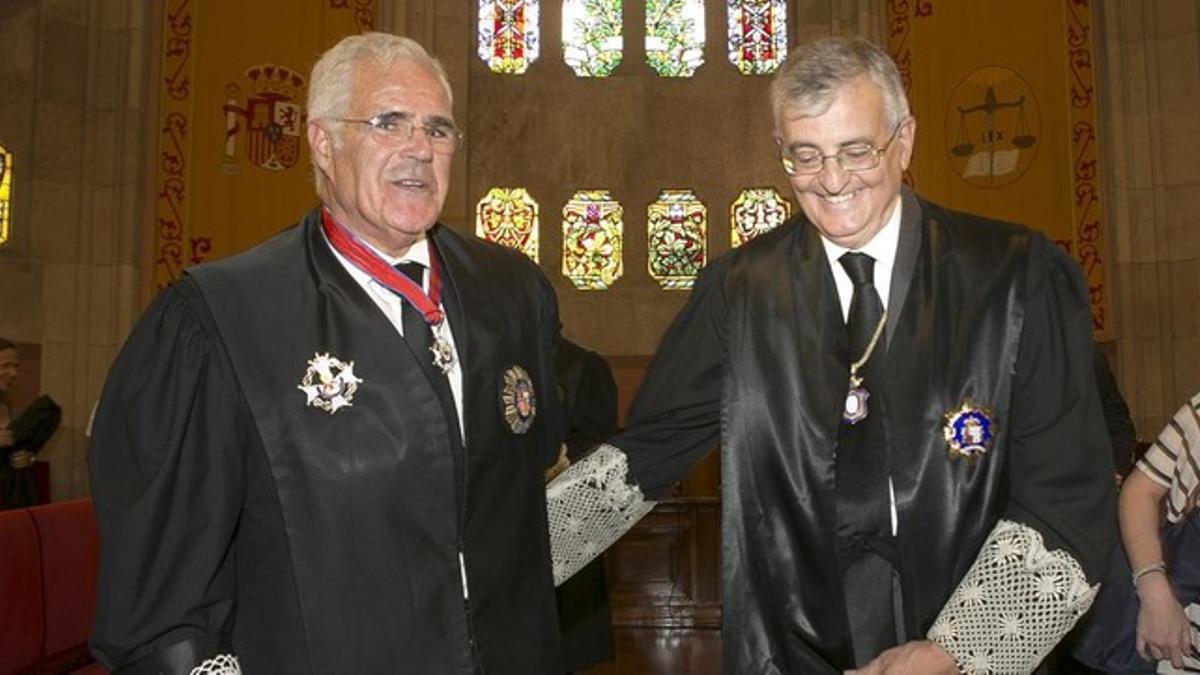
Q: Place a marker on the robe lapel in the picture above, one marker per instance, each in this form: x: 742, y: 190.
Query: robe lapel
x: 345, y: 296
x: 454, y: 277
x: 822, y: 313
x: 905, y: 262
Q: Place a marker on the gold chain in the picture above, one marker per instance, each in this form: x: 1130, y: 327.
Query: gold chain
x: 870, y: 347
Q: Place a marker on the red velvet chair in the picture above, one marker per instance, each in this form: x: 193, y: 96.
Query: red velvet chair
x: 48, y: 557
x: 22, y: 613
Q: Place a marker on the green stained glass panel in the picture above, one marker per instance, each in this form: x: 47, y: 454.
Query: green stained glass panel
x: 675, y: 36
x: 593, y: 237
x: 591, y: 35
x: 676, y: 242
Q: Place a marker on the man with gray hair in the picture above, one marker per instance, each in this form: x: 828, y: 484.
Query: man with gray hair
x: 326, y: 454
x: 915, y: 470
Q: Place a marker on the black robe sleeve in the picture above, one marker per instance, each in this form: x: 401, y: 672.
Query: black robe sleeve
x: 167, y: 481
x: 676, y: 417
x: 1061, y: 468
x: 1121, y: 432
x: 589, y: 398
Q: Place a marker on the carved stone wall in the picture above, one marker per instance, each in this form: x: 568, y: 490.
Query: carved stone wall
x: 74, y: 78
x: 1149, y: 82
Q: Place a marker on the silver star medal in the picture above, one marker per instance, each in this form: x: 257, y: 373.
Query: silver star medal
x: 329, y: 383
x: 443, y: 353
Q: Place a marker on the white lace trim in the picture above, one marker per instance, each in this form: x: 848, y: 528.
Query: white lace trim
x: 1013, y: 605
x: 221, y: 664
x: 590, y: 506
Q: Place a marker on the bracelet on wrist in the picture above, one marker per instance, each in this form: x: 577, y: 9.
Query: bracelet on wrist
x: 1159, y: 566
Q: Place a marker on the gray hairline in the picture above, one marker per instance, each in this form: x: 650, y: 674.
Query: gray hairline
x: 381, y: 49
x: 812, y: 78
x: 342, y: 59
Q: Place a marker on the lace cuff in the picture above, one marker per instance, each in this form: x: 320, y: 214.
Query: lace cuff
x: 1014, y: 604
x: 221, y: 664
x: 590, y: 506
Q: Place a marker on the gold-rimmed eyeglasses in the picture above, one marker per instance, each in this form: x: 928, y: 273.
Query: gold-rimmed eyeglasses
x: 397, y: 128
x: 807, y: 161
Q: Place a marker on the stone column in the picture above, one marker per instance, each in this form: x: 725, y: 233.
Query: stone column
x: 446, y: 30
x: 1149, y: 83
x: 69, y: 277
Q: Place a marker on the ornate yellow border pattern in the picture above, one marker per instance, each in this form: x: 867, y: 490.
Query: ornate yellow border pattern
x: 1088, y: 211
x: 364, y: 12
x: 900, y: 14
x: 174, y: 110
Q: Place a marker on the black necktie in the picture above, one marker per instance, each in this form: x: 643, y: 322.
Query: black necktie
x: 865, y: 307
x: 864, y: 524
x: 417, y: 332
x: 419, y: 336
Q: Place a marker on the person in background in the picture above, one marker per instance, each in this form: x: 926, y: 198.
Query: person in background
x: 325, y: 454
x: 21, y: 437
x: 1121, y: 431
x: 16, y: 484
x: 589, y: 396
x: 1166, y: 479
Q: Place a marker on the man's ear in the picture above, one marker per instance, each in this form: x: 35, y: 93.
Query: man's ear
x: 320, y: 143
x: 907, y: 137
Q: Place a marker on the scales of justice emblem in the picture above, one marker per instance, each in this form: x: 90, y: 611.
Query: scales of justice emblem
x: 995, y: 135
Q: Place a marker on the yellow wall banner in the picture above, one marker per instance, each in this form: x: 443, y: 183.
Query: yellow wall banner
x: 1004, y: 97
x: 233, y: 163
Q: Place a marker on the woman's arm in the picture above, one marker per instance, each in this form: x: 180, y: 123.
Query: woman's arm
x: 1163, y: 631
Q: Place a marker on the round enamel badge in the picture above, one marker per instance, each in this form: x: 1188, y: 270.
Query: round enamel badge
x: 518, y: 400
x: 969, y: 431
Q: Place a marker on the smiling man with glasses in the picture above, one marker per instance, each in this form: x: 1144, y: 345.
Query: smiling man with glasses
x: 915, y: 471
x: 326, y: 454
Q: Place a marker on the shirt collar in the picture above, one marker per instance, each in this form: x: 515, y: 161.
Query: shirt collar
x: 882, y: 247
x: 418, y: 252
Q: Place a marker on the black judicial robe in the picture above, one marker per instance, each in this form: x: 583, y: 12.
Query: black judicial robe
x: 589, y: 396
x: 235, y: 518
x: 979, y: 310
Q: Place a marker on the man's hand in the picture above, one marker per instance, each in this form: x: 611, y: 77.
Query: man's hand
x: 6, y: 437
x: 1163, y: 631
x: 559, y: 466
x: 21, y: 459
x: 919, y: 657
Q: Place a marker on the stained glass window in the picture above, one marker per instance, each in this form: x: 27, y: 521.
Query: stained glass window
x: 591, y: 35
x: 676, y: 240
x: 756, y: 210
x: 5, y: 193
x: 757, y: 35
x: 675, y: 36
x: 509, y: 216
x: 508, y: 34
x: 593, y: 237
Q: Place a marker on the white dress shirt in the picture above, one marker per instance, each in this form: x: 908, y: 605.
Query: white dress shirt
x: 392, y: 306
x: 882, y: 248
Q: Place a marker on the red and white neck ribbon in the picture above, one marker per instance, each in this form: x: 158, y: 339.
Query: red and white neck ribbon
x: 367, y: 260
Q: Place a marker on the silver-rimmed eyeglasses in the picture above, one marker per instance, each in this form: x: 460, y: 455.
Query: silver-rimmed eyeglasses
x: 397, y: 128
x: 807, y: 161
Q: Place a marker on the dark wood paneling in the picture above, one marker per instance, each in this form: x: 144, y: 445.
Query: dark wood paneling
x: 664, y: 651
x: 664, y: 575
